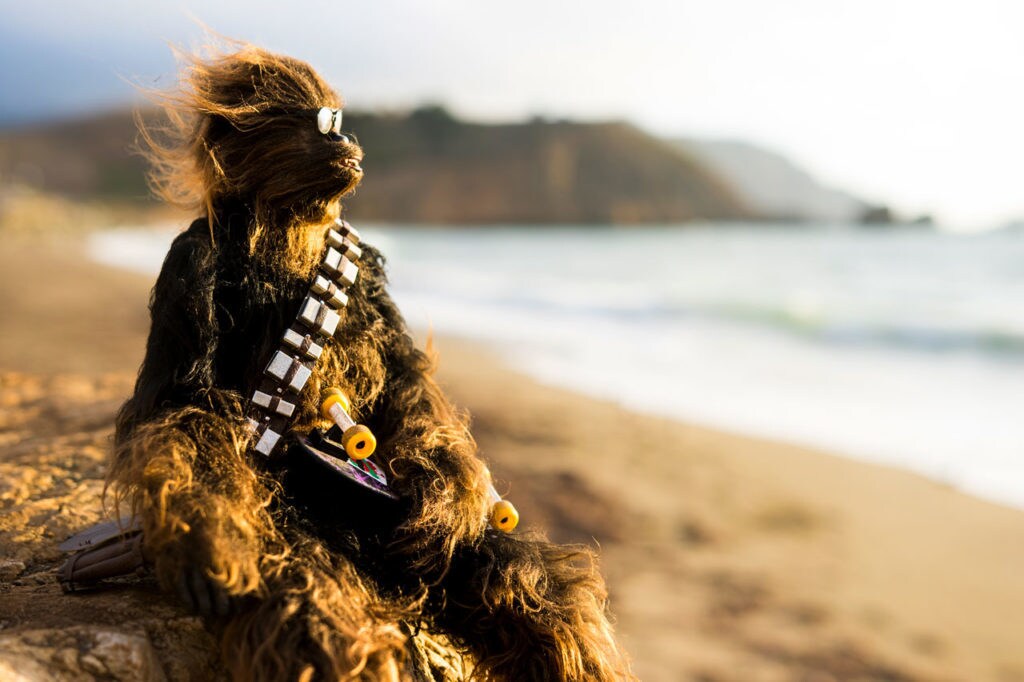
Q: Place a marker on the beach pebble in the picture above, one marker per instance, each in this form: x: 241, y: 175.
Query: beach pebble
x: 9, y: 569
x: 78, y: 653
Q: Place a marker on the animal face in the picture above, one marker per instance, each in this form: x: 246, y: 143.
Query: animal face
x: 244, y: 127
x: 270, y: 150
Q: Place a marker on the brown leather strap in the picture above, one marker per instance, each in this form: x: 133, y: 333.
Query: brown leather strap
x: 347, y: 230
x: 293, y: 369
x: 321, y: 315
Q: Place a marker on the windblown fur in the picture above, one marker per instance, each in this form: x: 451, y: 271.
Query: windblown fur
x: 294, y: 594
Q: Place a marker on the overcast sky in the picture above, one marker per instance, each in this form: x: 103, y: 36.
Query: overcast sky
x: 915, y: 103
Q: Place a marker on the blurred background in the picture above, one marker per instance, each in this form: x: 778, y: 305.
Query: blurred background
x: 800, y: 222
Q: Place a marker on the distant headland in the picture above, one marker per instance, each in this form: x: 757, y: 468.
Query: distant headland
x: 426, y: 166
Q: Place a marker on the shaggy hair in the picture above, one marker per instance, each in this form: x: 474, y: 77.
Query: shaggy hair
x: 294, y: 590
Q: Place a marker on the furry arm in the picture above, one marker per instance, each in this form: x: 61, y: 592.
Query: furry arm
x: 179, y: 457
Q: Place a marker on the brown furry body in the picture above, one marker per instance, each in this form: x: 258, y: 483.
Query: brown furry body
x: 300, y: 595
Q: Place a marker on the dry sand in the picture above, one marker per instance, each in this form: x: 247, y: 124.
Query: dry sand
x: 728, y: 558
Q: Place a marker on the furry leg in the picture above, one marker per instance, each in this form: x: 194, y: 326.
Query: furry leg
x: 528, y: 609
x: 317, y: 620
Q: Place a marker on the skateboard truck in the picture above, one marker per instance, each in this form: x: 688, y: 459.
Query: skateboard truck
x: 358, y: 441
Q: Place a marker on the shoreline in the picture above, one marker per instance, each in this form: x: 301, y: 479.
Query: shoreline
x: 737, y: 431
x: 727, y: 556
x: 758, y: 381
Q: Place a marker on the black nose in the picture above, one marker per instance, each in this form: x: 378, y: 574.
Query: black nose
x: 338, y: 137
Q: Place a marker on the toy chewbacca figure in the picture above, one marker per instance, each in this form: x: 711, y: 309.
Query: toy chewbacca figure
x: 276, y: 362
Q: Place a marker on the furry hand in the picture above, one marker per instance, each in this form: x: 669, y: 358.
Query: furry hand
x: 202, y: 594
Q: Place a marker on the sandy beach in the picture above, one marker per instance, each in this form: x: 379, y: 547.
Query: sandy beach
x: 728, y: 558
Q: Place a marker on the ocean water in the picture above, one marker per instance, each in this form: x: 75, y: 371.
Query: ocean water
x: 904, y: 347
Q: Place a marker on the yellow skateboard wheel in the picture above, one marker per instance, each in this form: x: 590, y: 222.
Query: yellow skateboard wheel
x: 504, y: 516
x: 359, y: 442
x: 332, y: 397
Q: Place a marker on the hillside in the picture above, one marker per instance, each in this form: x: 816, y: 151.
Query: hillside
x: 426, y: 167
x: 773, y: 185
x: 81, y: 158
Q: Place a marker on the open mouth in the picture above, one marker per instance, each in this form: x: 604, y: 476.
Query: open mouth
x: 353, y: 164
